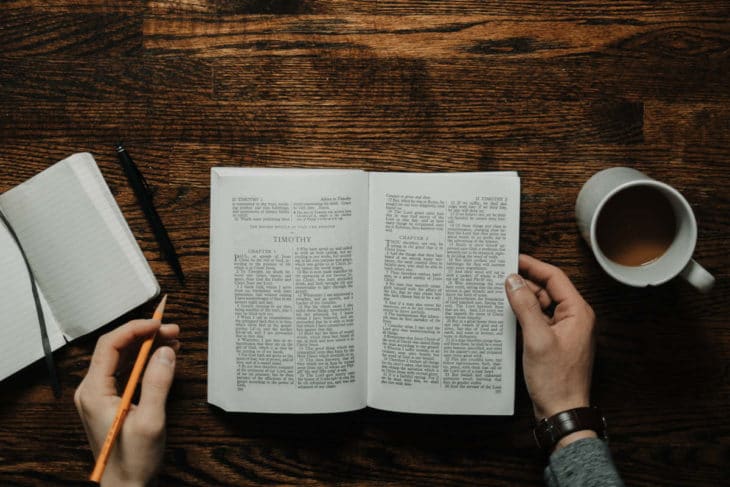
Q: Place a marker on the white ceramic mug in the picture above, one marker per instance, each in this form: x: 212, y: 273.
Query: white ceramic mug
x: 677, y: 260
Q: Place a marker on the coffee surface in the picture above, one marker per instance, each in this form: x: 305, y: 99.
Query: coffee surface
x: 636, y: 226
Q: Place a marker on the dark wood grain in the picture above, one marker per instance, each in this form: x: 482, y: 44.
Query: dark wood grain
x: 554, y: 90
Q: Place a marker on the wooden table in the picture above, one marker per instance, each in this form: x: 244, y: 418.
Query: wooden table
x: 554, y: 90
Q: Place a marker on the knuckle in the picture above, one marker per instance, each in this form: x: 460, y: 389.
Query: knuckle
x: 97, y: 359
x: 150, y: 427
x: 561, y: 273
x: 137, y: 322
x: 590, y: 314
x: 532, y: 305
x: 532, y: 348
x: 539, y: 348
x: 536, y: 350
x: 552, y: 269
x: 103, y: 341
x: 77, y: 397
x: 525, y: 300
x: 81, y: 400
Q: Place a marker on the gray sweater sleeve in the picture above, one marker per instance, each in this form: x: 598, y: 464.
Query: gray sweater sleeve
x: 585, y: 462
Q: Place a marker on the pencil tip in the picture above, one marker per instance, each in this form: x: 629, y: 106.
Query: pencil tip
x: 160, y: 308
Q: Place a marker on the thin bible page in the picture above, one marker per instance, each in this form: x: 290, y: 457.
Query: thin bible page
x: 288, y: 290
x: 20, y: 333
x: 441, y: 333
x: 84, y: 257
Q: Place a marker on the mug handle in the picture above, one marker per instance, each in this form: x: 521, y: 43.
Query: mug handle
x: 698, y: 276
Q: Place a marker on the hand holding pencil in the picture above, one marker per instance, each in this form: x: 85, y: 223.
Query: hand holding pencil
x: 136, y: 453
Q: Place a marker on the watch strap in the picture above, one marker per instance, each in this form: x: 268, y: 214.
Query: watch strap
x: 550, y: 431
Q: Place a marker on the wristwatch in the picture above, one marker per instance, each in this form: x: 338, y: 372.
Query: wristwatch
x: 550, y: 430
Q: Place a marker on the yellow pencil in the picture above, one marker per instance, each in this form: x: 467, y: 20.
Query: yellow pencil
x: 126, y: 401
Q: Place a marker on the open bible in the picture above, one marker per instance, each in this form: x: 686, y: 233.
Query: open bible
x: 333, y: 290
x: 87, y: 265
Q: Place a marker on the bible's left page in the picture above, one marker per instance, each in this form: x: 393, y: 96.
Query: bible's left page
x: 288, y: 283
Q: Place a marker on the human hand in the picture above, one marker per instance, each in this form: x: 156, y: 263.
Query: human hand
x: 138, y: 450
x: 558, y: 351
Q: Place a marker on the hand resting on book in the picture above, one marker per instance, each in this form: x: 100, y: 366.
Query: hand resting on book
x: 141, y: 443
x: 557, y: 350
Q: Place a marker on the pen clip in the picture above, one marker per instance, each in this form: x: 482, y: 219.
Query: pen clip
x: 133, y: 167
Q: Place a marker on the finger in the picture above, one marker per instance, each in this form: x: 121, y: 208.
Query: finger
x: 156, y: 385
x: 105, y: 359
x: 168, y: 331
x: 551, y: 278
x: 524, y: 303
x: 542, y: 295
x: 173, y: 344
x: 127, y: 357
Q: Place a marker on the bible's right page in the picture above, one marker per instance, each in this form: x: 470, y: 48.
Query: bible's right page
x: 441, y: 334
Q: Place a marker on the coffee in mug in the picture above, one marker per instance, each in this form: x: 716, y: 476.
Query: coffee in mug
x: 642, y: 231
x: 636, y: 226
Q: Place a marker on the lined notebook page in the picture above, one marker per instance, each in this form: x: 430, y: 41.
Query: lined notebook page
x: 20, y: 332
x: 85, y: 258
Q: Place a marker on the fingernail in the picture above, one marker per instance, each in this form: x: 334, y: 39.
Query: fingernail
x: 165, y: 355
x: 515, y: 282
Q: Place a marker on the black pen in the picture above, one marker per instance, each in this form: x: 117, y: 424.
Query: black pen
x: 144, y: 196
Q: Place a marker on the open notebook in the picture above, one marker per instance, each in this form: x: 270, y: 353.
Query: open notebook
x: 89, y: 269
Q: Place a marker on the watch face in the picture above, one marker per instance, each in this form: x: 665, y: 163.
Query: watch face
x: 544, y: 434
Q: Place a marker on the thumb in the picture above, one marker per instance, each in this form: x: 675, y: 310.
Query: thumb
x: 157, y: 381
x: 526, y: 307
